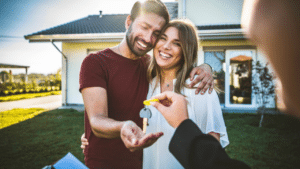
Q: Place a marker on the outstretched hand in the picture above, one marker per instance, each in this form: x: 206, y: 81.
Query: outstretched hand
x: 134, y: 138
x: 172, y: 106
x: 205, y: 78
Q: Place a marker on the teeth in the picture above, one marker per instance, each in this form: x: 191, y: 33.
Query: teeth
x: 143, y: 45
x: 165, y: 55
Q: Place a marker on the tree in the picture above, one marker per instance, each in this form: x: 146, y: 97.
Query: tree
x: 58, y: 78
x: 263, y: 87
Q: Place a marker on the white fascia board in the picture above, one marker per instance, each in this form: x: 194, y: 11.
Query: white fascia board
x: 99, y: 37
x: 221, y: 34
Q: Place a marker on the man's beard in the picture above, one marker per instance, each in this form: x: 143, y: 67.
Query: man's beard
x: 131, y: 40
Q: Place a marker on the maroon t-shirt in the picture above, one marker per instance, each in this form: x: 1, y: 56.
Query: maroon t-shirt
x: 126, y: 85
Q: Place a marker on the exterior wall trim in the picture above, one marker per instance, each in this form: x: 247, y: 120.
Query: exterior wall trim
x: 221, y: 34
x: 77, y: 37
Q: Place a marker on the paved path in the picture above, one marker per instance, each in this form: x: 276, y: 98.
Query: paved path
x: 47, y: 102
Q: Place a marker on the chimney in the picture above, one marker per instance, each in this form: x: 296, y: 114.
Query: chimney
x: 100, y: 16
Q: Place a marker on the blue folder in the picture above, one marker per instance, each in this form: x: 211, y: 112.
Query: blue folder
x: 69, y: 162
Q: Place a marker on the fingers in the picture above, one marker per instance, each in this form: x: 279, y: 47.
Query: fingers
x: 208, y: 84
x: 161, y: 96
x: 149, y: 139
x: 84, y: 142
x: 160, y: 107
x: 203, y: 84
x: 146, y: 141
x: 211, y: 87
x: 204, y: 76
x: 174, y: 113
x: 197, y: 79
x: 83, y: 136
x: 193, y: 73
x: 82, y: 147
x: 165, y: 100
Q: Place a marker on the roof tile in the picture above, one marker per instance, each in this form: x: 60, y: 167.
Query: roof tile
x: 113, y: 23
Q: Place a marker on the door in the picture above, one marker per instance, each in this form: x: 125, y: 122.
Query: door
x: 238, y: 78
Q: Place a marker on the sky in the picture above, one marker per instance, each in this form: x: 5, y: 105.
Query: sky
x: 24, y: 17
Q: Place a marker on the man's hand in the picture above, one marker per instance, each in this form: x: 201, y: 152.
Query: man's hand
x: 205, y: 78
x: 134, y: 138
x: 175, y: 111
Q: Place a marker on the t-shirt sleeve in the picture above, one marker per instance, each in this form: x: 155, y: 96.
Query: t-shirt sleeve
x: 93, y: 72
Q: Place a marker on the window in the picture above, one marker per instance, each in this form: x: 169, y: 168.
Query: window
x: 232, y: 70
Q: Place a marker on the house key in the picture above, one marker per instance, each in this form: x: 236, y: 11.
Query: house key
x: 145, y: 113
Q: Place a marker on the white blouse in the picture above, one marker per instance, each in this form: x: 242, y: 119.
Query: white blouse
x: 204, y: 110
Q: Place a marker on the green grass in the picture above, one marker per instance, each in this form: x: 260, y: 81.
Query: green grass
x: 46, y: 138
x: 14, y: 116
x: 276, y: 145
x: 27, y: 96
x: 42, y: 140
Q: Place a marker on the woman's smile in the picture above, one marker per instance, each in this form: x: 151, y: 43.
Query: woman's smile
x: 165, y: 55
x: 168, y: 51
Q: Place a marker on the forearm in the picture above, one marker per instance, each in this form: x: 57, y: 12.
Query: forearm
x: 105, y: 127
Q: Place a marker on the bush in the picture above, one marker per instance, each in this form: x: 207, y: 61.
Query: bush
x: 7, y: 89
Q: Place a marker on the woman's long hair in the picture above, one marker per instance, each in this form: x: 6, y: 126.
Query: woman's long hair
x: 188, y: 38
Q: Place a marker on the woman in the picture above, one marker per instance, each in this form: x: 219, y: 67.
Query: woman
x: 175, y: 54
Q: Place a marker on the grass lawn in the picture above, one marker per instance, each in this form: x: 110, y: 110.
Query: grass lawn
x: 46, y: 138
x: 276, y: 145
x: 14, y: 116
x: 42, y: 140
x: 27, y: 96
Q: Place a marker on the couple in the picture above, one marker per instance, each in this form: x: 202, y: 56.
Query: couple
x: 113, y: 83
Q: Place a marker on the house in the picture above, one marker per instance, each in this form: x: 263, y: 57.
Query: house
x: 222, y: 45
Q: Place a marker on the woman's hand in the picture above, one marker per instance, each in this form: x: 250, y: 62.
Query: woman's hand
x: 84, y: 142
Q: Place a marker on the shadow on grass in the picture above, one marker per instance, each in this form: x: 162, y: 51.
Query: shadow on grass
x: 43, y: 140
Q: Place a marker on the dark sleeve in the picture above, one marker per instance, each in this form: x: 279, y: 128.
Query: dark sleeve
x: 93, y: 72
x: 193, y: 149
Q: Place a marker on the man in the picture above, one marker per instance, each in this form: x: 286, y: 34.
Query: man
x: 113, y: 85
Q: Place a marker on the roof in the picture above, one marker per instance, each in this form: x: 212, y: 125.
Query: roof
x: 3, y: 65
x: 111, y: 28
x: 113, y: 23
x: 90, y: 24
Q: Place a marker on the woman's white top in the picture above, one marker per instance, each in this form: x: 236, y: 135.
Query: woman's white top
x: 204, y: 110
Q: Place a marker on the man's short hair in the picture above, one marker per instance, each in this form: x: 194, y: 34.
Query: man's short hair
x: 150, y: 6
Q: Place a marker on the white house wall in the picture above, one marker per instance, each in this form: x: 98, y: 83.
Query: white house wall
x: 212, y: 12
x: 76, y: 52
